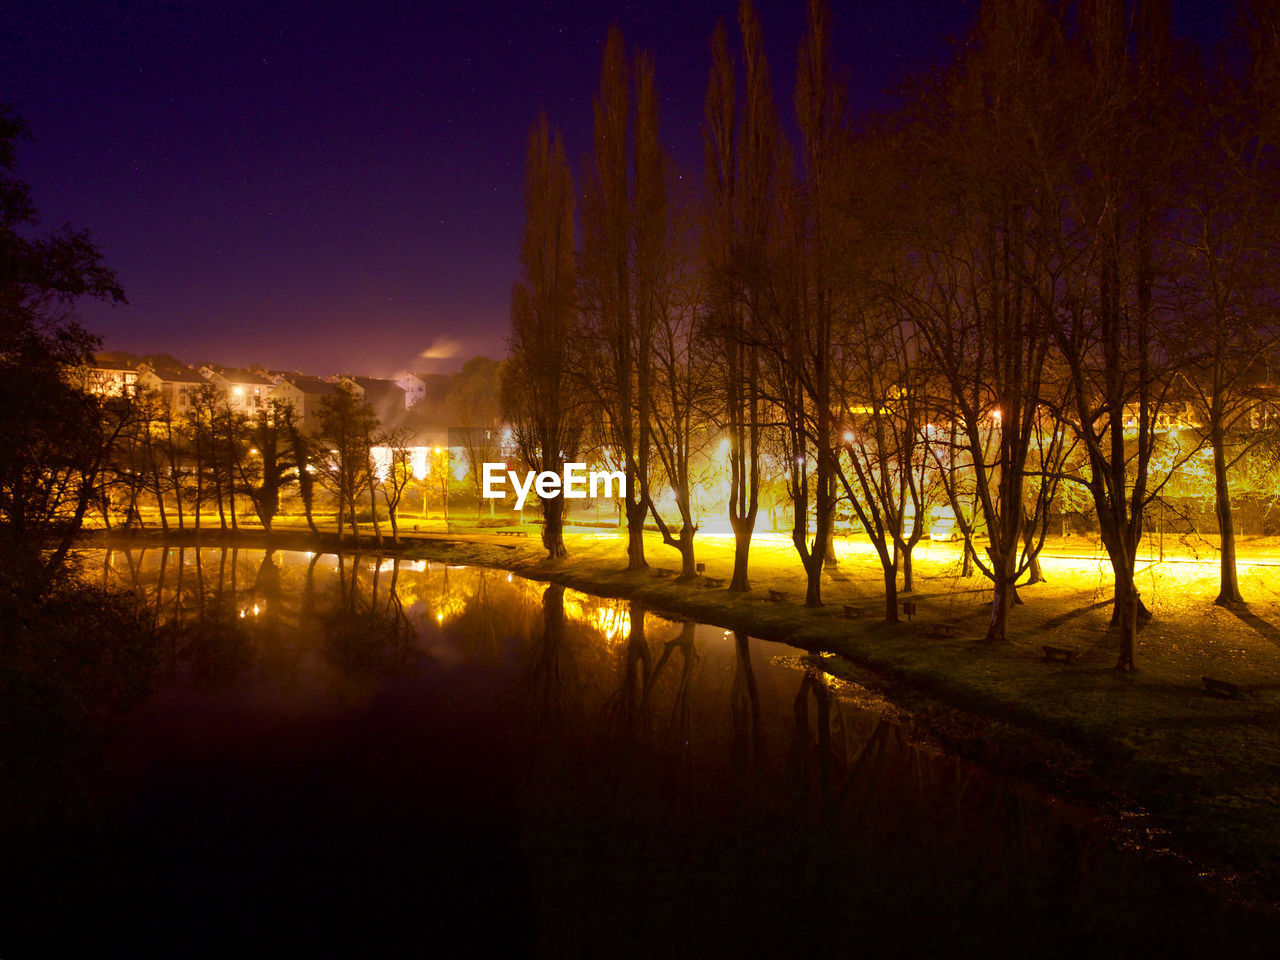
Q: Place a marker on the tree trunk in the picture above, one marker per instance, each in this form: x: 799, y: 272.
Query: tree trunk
x: 1125, y: 614
x: 813, y: 579
x: 1228, y: 579
x: 553, y: 527
x: 908, y: 569
x: 373, y: 512
x: 742, y: 529
x: 688, y: 562
x: 635, y: 535
x: 1003, y: 595
x: 1034, y: 573
x: 891, y: 594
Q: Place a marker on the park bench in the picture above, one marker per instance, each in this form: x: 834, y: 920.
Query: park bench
x: 661, y: 572
x: 940, y: 631
x: 512, y: 533
x: 1059, y: 654
x: 777, y: 596
x: 1222, y: 688
x: 714, y: 582
x: 852, y: 612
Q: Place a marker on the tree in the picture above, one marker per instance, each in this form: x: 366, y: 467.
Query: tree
x: 978, y: 276
x: 56, y: 438
x: 539, y: 397
x: 266, y: 471
x: 882, y: 389
x: 396, y: 474
x: 683, y: 386
x: 624, y: 225
x: 800, y: 330
x: 1225, y: 249
x: 346, y: 427
x: 1116, y: 333
x: 739, y: 152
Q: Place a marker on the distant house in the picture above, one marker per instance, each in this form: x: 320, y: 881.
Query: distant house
x: 413, y: 387
x: 246, y: 390
x: 110, y: 375
x: 388, y: 399
x: 304, y: 393
x: 176, y: 382
x: 420, y: 387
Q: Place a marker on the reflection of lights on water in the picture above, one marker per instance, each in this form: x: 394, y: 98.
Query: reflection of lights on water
x: 613, y: 622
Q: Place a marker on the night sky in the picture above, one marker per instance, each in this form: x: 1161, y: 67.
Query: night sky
x: 337, y: 186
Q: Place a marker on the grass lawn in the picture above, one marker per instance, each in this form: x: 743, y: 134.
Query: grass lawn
x: 1206, y: 768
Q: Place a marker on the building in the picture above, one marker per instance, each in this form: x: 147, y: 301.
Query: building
x: 303, y: 393
x: 176, y: 382
x: 110, y: 375
x: 246, y: 390
x: 387, y: 398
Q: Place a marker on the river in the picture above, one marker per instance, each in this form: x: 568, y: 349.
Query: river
x: 342, y: 756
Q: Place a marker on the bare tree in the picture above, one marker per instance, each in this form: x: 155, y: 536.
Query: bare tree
x: 538, y: 396
x: 684, y: 379
x: 739, y: 150
x: 346, y: 428
x: 397, y: 474
x: 1116, y: 336
x: 623, y: 220
x: 1225, y: 248
x: 977, y: 279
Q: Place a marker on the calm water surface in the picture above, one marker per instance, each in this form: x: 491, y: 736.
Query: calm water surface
x: 371, y: 757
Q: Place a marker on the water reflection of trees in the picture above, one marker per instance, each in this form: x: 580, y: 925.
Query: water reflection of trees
x: 225, y: 613
x: 748, y: 726
x: 368, y: 634
x: 869, y: 779
x: 551, y: 677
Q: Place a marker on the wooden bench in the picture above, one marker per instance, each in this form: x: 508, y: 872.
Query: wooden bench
x: 852, y: 612
x: 661, y: 572
x: 777, y: 596
x: 940, y: 631
x: 713, y: 582
x: 1222, y: 688
x: 512, y: 533
x: 1058, y: 654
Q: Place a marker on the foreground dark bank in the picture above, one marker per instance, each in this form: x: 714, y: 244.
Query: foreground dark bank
x: 363, y: 756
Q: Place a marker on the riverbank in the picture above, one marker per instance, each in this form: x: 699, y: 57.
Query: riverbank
x: 1206, y: 769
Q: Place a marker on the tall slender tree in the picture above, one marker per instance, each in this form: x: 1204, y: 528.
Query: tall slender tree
x: 539, y: 396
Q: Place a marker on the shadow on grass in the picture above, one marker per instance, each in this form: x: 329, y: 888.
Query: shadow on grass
x: 1072, y: 614
x: 1266, y: 630
x: 1208, y: 723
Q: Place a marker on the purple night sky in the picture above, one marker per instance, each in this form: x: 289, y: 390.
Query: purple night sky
x: 337, y: 186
